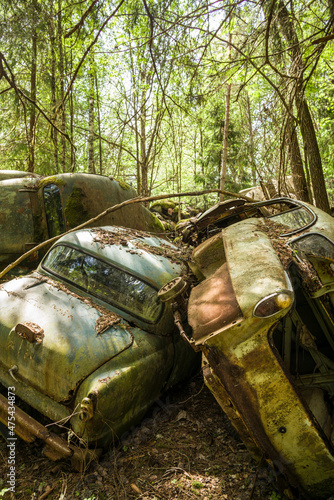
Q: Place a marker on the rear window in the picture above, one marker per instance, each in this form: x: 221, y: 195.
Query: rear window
x: 105, y: 281
x: 53, y: 210
x: 294, y: 219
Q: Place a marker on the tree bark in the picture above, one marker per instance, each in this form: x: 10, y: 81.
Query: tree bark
x: 313, y: 154
x: 91, y: 165
x: 304, y: 116
x: 72, y: 122
x: 251, y: 137
x: 226, y: 124
x: 297, y: 169
x: 142, y: 119
x: 99, y: 124
x: 62, y: 89
x: 225, y: 141
x: 33, y: 91
x: 54, y: 133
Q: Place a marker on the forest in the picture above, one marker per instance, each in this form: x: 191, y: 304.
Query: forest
x: 170, y: 95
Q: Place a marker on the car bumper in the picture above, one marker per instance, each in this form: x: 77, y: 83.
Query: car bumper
x: 21, y: 424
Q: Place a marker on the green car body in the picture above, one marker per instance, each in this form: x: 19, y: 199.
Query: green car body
x: 263, y: 317
x: 85, y: 339
x: 35, y: 208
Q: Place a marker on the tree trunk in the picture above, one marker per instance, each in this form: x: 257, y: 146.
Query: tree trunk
x: 32, y: 120
x: 313, y: 155
x: 225, y: 139
x: 304, y: 116
x: 72, y: 122
x: 54, y: 133
x: 297, y: 169
x: 91, y: 166
x: 99, y: 124
x: 143, y: 157
x: 251, y: 136
x: 62, y: 90
x: 226, y: 124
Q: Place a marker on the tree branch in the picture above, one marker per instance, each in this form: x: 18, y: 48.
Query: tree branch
x: 79, y: 25
x: 139, y: 199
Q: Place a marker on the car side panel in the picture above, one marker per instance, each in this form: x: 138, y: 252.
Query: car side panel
x: 125, y: 387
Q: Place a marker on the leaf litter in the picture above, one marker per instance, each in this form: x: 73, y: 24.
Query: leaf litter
x: 183, y: 449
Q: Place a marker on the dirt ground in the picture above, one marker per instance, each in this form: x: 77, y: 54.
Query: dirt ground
x: 182, y: 450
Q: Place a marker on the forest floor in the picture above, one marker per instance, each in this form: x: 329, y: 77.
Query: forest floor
x: 182, y: 450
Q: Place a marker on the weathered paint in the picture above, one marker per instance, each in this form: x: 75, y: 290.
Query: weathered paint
x: 213, y: 306
x: 92, y: 194
x: 23, y: 221
x: 121, y: 371
x: 246, y: 373
x: 125, y: 387
x: 16, y: 217
x: 208, y: 257
x: 70, y: 349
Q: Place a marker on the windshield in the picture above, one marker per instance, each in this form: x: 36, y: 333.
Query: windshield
x: 103, y: 280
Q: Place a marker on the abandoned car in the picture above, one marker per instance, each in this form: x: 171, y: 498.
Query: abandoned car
x: 35, y: 208
x: 85, y: 339
x: 263, y: 317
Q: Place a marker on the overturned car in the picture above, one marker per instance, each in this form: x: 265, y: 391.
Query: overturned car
x: 263, y: 317
x: 86, y: 341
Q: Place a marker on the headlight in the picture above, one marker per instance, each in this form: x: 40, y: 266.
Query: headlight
x: 87, y: 408
x: 273, y: 304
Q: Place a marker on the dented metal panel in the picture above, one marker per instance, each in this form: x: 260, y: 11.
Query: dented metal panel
x: 87, y: 360
x: 272, y: 371
x: 16, y: 218
x: 213, y: 306
x: 34, y: 208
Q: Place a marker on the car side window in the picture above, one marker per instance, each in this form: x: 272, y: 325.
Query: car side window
x: 105, y: 281
x: 313, y: 244
x: 53, y: 210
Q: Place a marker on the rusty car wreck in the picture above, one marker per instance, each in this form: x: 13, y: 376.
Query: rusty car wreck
x: 263, y: 317
x: 257, y: 301
x: 86, y: 341
x: 34, y: 208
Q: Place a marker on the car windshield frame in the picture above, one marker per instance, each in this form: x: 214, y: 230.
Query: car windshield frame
x: 299, y: 205
x: 245, y: 208
x: 295, y: 205
x: 118, y: 270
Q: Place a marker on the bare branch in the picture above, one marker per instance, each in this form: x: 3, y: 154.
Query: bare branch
x: 79, y: 25
x: 139, y: 199
x: 86, y: 53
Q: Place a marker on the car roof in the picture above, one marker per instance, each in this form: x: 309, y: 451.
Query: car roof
x: 149, y: 257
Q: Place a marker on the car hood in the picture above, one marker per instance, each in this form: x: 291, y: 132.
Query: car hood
x: 52, y: 338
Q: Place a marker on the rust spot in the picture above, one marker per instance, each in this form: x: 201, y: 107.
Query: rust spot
x: 245, y: 401
x: 30, y: 331
x: 107, y: 320
x: 104, y: 380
